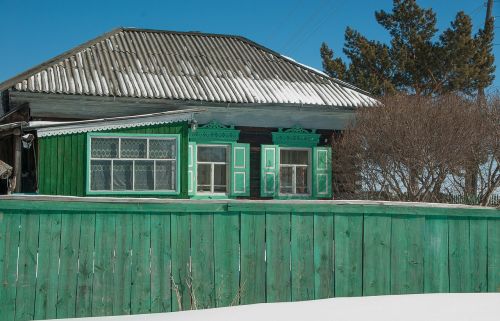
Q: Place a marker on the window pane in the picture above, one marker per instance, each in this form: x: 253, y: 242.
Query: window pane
x: 122, y: 175
x: 104, y: 147
x: 204, y: 177
x: 162, y: 148
x: 296, y: 157
x: 133, y: 148
x: 100, y: 175
x: 144, y: 175
x: 212, y: 153
x: 165, y: 175
x: 220, y: 182
x: 286, y: 177
x: 301, y: 180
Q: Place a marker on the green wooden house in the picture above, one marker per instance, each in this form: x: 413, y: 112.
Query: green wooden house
x: 146, y: 113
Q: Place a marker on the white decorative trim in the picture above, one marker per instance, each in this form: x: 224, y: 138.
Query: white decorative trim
x: 113, y: 123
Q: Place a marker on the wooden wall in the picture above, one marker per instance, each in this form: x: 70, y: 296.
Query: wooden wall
x: 62, y: 159
x: 130, y: 256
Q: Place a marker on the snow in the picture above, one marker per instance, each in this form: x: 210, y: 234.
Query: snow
x: 418, y: 307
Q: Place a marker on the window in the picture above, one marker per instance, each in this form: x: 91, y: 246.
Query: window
x: 133, y: 164
x: 212, y: 162
x: 294, y: 171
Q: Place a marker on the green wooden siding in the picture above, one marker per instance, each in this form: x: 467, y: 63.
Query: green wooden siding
x: 135, y: 257
x: 62, y: 160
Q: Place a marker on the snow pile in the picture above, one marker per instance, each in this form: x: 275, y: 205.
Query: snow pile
x: 421, y: 307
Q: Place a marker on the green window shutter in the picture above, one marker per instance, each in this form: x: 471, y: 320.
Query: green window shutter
x: 240, y: 170
x: 192, y: 169
x: 269, y: 169
x: 322, y: 172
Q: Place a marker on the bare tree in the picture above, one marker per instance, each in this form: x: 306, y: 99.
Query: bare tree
x: 416, y: 148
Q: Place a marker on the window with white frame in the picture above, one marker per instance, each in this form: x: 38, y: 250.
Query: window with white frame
x: 212, y: 169
x: 294, y: 171
x: 133, y: 163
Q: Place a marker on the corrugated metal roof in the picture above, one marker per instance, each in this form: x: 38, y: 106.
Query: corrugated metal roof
x: 141, y: 63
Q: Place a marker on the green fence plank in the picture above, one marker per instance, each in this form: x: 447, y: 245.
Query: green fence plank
x: 9, y: 241
x: 348, y: 255
x: 122, y: 276
x: 141, y: 277
x: 253, y: 264
x: 66, y: 287
x: 407, y: 254
x: 102, y: 283
x: 493, y: 255
x: 161, y: 295
x: 478, y: 253
x: 181, y: 224
x: 302, y: 256
x: 377, y: 255
x: 227, y: 258
x: 49, y: 243
x: 278, y: 257
x: 26, y: 282
x: 85, y: 272
x: 323, y: 256
x: 436, y: 274
x: 202, y: 260
x: 459, y: 256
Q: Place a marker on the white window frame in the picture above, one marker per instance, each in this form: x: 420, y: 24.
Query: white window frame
x: 228, y: 171
x: 133, y: 191
x: 294, y: 172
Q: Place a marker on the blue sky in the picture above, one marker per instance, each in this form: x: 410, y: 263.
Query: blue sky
x: 34, y: 31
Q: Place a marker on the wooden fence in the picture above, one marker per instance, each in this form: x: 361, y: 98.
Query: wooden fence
x: 67, y: 257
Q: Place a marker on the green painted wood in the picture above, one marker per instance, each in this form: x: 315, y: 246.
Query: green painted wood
x: 367, y: 209
x: 493, y: 255
x: 102, y: 206
x: 122, y: 276
x: 60, y: 166
x: 324, y: 286
x: 68, y: 165
x: 49, y: 243
x: 102, y: 282
x: 67, y: 281
x: 407, y: 255
x: 253, y: 264
x: 202, y: 261
x: 181, y: 225
x: 348, y: 255
x: 377, y: 255
x: 80, y: 160
x: 141, y: 277
x: 478, y: 252
x: 302, y: 256
x: 53, y: 161
x: 73, y: 188
x: 9, y: 241
x: 26, y: 282
x: 70, y: 150
x: 459, y: 256
x: 278, y: 257
x: 41, y: 149
x: 161, y: 258
x: 85, y: 272
x: 436, y: 271
x: 227, y: 258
